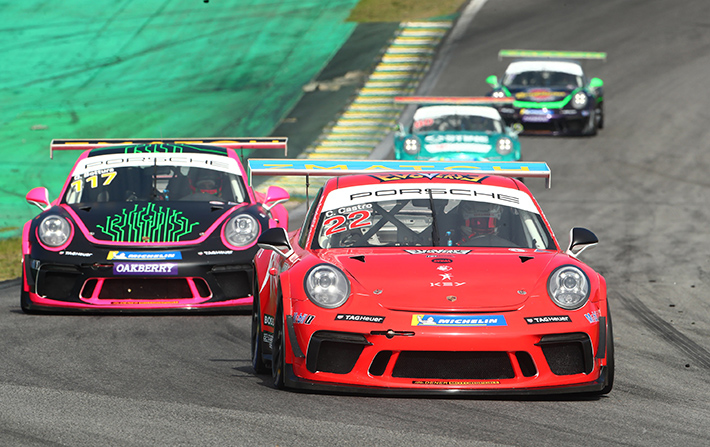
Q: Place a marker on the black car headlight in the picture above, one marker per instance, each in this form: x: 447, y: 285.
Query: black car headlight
x: 412, y: 145
x: 241, y: 230
x: 504, y: 146
x: 327, y: 286
x: 54, y: 231
x: 579, y: 100
x: 568, y: 287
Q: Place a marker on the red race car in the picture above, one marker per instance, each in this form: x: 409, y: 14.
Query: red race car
x: 428, y: 277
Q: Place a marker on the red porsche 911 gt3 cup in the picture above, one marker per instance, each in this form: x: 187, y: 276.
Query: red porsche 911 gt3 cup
x: 149, y: 226
x: 428, y: 277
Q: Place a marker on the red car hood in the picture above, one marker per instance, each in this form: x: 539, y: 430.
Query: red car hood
x: 479, y: 281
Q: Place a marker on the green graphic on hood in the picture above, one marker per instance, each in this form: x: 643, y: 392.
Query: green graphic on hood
x: 147, y: 224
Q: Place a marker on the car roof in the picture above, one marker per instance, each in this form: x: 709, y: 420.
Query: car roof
x: 442, y: 110
x: 522, y: 66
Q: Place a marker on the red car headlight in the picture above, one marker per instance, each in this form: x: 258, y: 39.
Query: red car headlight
x: 327, y: 286
x: 568, y: 287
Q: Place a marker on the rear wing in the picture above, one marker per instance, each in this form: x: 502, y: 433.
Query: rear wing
x: 332, y: 168
x: 228, y: 143
x: 552, y: 54
x: 453, y: 100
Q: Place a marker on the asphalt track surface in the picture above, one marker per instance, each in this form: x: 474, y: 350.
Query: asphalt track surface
x: 641, y: 185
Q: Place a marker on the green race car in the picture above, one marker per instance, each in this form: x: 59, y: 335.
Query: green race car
x: 456, y: 128
x: 550, y: 93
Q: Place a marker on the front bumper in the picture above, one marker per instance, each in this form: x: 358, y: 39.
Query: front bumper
x: 395, y: 357
x: 549, y: 121
x: 195, y: 283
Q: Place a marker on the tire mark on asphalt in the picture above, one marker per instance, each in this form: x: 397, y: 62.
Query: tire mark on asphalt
x: 666, y: 331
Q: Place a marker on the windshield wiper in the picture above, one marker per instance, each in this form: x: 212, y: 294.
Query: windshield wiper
x: 154, y: 194
x: 434, y: 226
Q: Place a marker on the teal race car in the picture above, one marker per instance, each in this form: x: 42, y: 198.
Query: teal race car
x: 456, y: 128
x: 550, y: 93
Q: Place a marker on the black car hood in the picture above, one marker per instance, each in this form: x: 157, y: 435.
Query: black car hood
x: 149, y: 222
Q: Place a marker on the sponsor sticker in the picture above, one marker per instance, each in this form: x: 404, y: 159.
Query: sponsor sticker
x: 133, y: 303
x: 549, y: 319
x: 438, y: 251
x: 593, y: 317
x: 269, y: 320
x: 456, y: 382
x: 144, y: 268
x: 215, y: 253
x: 75, y: 253
x: 143, y: 256
x: 301, y: 318
x: 363, y: 318
x: 458, y: 320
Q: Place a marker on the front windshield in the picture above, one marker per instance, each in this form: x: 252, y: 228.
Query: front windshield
x: 446, y: 123
x: 474, y: 221
x: 155, y: 183
x: 542, y: 79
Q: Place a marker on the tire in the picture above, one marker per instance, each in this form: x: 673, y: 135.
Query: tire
x: 257, y: 336
x: 25, y: 302
x: 609, y: 354
x: 600, y: 116
x: 278, y: 360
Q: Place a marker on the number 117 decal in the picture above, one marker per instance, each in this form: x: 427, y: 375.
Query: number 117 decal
x: 356, y: 219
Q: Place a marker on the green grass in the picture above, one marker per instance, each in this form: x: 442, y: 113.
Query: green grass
x: 403, y: 10
x: 10, y: 258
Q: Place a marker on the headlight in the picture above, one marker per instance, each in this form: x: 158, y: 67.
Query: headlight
x: 54, y: 231
x: 498, y: 94
x: 241, y: 230
x: 579, y: 100
x: 326, y: 286
x: 504, y: 146
x: 411, y: 146
x: 568, y: 287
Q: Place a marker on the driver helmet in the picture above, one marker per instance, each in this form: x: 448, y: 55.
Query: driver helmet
x: 481, y: 217
x: 206, y: 181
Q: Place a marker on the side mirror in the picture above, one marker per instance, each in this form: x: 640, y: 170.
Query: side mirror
x: 596, y: 83
x: 399, y: 129
x: 492, y: 80
x: 275, y: 239
x: 39, y: 197
x: 516, y: 128
x: 579, y: 240
x: 274, y: 196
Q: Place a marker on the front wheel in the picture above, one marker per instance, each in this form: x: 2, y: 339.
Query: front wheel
x: 278, y: 360
x: 609, y: 354
x: 25, y: 301
x: 257, y: 337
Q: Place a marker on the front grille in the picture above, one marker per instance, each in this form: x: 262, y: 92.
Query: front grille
x: 334, y: 352
x: 145, y: 289
x: 234, y: 284
x: 453, y: 365
x: 568, y: 354
x: 565, y: 359
x: 57, y: 283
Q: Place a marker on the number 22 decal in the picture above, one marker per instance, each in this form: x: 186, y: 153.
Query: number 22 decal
x: 357, y: 219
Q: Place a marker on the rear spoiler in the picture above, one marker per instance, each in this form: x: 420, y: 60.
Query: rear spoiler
x: 228, y: 143
x: 453, y: 100
x: 552, y: 54
x: 332, y: 168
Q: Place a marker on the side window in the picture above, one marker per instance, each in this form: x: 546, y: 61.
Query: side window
x: 309, y: 219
